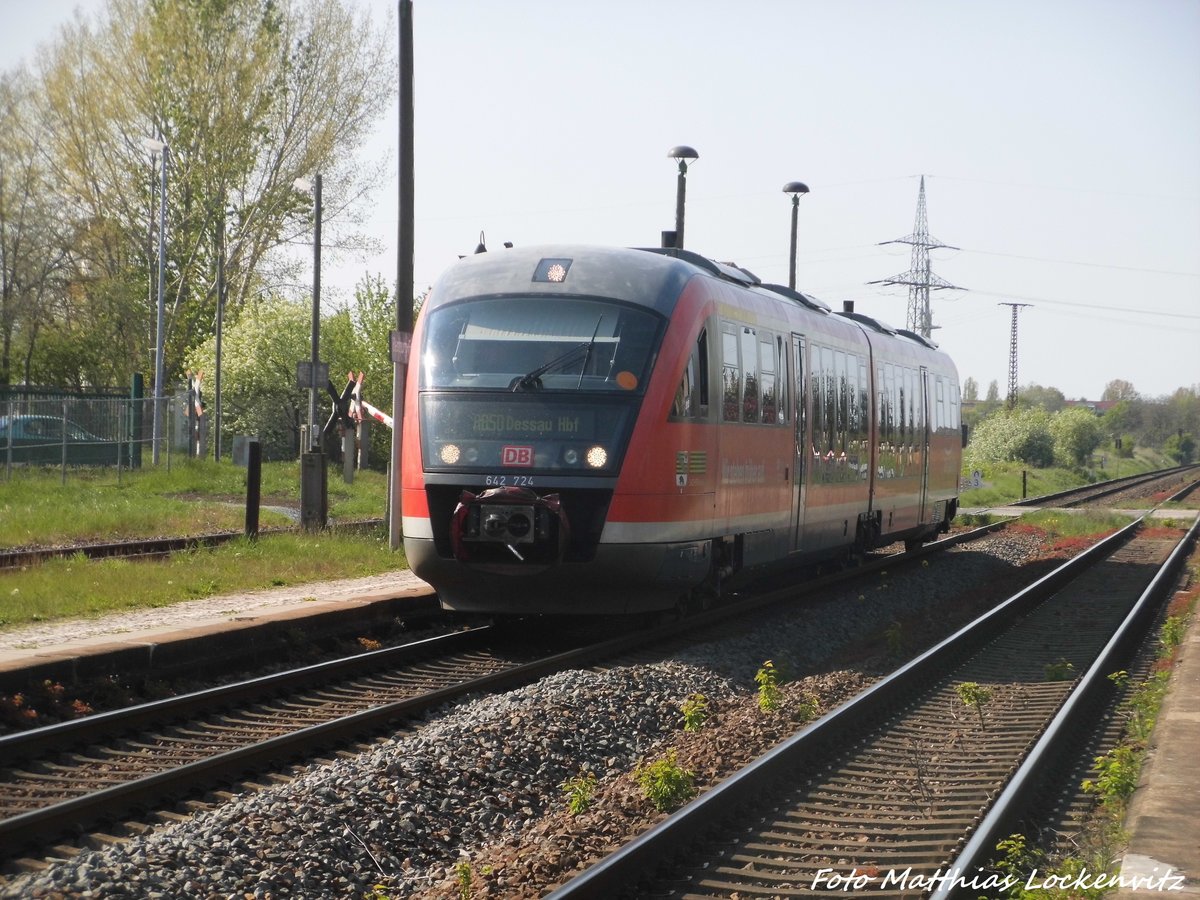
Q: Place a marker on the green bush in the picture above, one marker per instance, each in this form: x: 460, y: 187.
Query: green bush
x: 1021, y: 435
x: 665, y: 783
x: 1076, y: 432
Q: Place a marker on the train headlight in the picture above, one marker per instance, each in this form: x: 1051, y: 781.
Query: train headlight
x: 472, y: 455
x: 597, y: 457
x: 571, y: 456
x: 449, y: 454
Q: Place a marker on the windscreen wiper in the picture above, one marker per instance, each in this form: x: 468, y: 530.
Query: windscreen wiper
x: 532, y: 381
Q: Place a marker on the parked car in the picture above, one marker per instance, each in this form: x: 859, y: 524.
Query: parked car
x: 39, y: 439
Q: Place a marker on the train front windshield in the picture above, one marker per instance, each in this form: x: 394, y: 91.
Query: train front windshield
x: 516, y: 384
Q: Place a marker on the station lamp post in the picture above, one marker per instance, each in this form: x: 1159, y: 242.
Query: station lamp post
x: 795, y: 188
x: 683, y: 153
x: 314, y: 187
x: 155, y: 147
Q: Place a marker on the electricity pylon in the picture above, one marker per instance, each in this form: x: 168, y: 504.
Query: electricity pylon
x: 919, y: 278
x: 1012, y: 354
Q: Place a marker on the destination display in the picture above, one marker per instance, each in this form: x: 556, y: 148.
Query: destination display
x: 471, y: 432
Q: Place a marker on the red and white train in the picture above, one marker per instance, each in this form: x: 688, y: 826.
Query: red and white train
x: 600, y: 430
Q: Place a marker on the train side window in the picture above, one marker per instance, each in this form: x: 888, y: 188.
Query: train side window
x: 854, y: 419
x: 851, y: 398
x: 731, y: 373
x: 817, y: 398
x: 828, y: 398
x: 889, y: 374
x: 843, y: 400
x: 750, y: 400
x: 767, y: 373
x: 942, y: 420
x: 781, y: 356
x: 864, y: 402
x: 684, y: 404
x: 917, y: 415
x: 885, y: 405
x: 691, y: 397
x: 916, y: 432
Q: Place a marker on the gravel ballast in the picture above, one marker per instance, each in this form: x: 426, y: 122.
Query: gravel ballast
x: 480, y: 782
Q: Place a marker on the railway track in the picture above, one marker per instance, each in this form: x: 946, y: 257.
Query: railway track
x: 227, y: 770
x: 143, y: 548
x: 1143, y: 485
x: 1181, y: 481
x: 929, y: 783
x: 75, y: 774
x: 81, y: 774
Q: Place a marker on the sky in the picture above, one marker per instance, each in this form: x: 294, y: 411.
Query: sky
x: 1059, y: 141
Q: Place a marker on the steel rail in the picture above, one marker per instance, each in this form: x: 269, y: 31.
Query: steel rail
x: 50, y: 821
x: 1019, y: 795
x: 145, y: 547
x: 1113, y: 486
x: 641, y: 856
x: 37, y: 825
x: 22, y: 745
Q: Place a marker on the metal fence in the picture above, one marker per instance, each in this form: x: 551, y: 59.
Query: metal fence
x: 71, y: 430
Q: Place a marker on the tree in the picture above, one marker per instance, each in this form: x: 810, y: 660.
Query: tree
x: 249, y: 95
x: 1181, y: 447
x: 1048, y: 398
x: 259, y: 395
x: 1076, y: 432
x: 1020, y: 435
x: 259, y: 356
x: 360, y: 341
x: 1119, y: 390
x: 32, y: 258
x: 970, y: 391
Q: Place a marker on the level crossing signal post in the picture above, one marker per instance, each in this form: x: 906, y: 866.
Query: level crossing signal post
x: 314, y: 470
x: 348, y: 419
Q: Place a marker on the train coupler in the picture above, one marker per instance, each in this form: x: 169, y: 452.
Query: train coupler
x: 509, y: 530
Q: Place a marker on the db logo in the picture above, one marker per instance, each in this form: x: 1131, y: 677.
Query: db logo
x: 516, y: 456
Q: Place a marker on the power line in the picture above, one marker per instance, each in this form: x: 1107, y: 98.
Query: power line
x: 1076, y: 262
x: 1092, y: 306
x: 1071, y: 190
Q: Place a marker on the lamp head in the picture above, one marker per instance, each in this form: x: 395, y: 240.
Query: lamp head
x: 683, y: 153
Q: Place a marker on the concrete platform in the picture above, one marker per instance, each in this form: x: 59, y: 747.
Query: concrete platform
x: 1164, y: 815
x: 206, y: 635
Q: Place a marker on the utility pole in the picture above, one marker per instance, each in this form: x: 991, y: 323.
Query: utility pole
x: 402, y: 336
x: 1012, y: 354
x: 919, y: 278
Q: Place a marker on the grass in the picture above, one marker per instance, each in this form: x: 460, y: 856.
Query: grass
x: 1002, y: 481
x: 1061, y: 524
x: 200, y: 496
x: 196, y: 497
x: 76, y: 587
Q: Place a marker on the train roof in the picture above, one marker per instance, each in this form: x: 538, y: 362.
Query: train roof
x: 621, y: 273
x: 652, y: 276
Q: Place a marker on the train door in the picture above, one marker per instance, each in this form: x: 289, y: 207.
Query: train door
x: 927, y: 424
x: 800, y: 423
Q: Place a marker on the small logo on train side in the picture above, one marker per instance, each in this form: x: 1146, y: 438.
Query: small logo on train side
x: 516, y: 456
